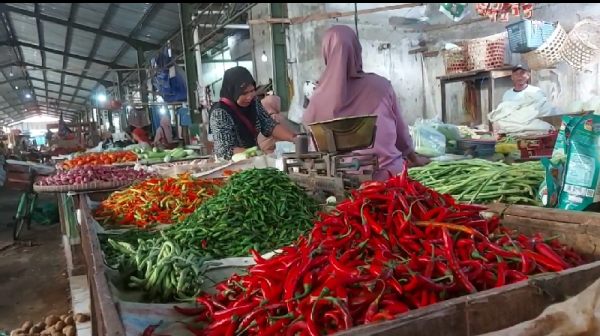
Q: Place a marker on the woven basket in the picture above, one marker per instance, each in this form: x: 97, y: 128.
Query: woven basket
x: 582, y: 46
x: 549, y: 53
x: 94, y: 186
x: 455, y: 60
x: 487, y: 52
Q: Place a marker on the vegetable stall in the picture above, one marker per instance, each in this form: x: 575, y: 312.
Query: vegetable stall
x: 404, y: 262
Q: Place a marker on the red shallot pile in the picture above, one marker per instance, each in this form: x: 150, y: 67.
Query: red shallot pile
x: 89, y: 174
x: 393, y: 247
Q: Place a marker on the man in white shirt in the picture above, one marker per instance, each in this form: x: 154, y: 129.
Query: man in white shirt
x: 520, y: 77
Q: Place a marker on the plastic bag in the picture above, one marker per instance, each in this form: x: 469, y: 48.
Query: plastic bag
x: 582, y: 172
x: 451, y: 132
x: 428, y: 141
x: 550, y: 189
x: 455, y: 11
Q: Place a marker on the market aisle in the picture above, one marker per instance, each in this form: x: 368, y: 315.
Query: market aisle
x: 33, y: 282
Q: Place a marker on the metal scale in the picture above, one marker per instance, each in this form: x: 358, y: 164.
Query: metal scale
x: 333, y: 169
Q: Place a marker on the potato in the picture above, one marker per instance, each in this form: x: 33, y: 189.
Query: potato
x: 17, y: 332
x: 51, y: 320
x: 26, y: 326
x: 57, y: 333
x: 63, y: 317
x: 50, y: 329
x: 45, y: 332
x: 41, y: 326
x: 59, y: 325
x: 34, y: 330
x: 82, y: 318
x: 69, y: 320
x: 69, y: 330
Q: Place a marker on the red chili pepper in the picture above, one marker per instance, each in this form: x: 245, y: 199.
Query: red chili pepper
x: 307, y: 282
x: 339, y: 267
x: 297, y: 327
x: 207, y: 303
x: 544, y: 261
x: 367, y: 220
x: 547, y: 251
x: 197, y: 332
x: 258, y: 259
x: 382, y: 316
x: 501, y: 281
x: 150, y: 329
x: 240, y: 310
x: 515, y: 276
x: 453, y: 263
x: 189, y: 311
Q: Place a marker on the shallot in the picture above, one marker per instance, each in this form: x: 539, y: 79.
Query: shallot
x: 89, y: 174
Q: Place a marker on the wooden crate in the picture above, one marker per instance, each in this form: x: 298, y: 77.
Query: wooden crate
x: 504, y: 307
x: 471, y: 315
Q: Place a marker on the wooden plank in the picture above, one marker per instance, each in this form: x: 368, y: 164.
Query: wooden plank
x: 332, y: 15
x: 107, y: 320
x: 588, y: 218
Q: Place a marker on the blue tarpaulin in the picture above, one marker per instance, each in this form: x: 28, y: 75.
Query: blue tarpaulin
x: 172, y: 89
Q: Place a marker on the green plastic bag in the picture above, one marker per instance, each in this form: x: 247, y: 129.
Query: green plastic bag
x: 566, y: 126
x: 550, y: 189
x: 455, y: 11
x: 46, y: 214
x: 582, y: 170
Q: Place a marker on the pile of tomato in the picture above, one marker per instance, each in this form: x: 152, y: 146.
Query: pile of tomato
x: 100, y: 159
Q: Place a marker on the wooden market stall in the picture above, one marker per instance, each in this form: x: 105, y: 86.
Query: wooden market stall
x: 483, y: 312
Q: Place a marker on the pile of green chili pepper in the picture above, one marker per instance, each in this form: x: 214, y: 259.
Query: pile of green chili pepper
x: 394, y: 246
x: 259, y: 209
x: 482, y: 181
x: 162, y: 272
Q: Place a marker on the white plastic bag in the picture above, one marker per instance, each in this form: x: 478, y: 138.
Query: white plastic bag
x: 451, y: 132
x: 521, y: 117
x: 428, y: 141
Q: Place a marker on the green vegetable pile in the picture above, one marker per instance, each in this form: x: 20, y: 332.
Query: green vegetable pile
x: 163, y: 270
x: 259, y: 209
x: 481, y: 181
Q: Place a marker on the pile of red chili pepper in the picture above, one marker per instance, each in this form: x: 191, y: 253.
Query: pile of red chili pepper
x: 394, y: 246
x: 156, y: 201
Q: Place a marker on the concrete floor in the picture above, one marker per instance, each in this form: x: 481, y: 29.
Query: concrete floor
x: 33, y: 279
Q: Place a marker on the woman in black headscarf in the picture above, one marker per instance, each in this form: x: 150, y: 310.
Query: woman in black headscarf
x: 237, y: 118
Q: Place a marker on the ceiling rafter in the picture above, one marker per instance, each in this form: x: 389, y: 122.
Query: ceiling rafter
x: 131, y: 41
x: 39, y: 26
x: 107, y: 16
x: 19, y: 53
x: 13, y: 43
x: 137, y: 27
x: 68, y: 41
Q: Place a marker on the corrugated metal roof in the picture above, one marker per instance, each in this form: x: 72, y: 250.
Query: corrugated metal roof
x: 41, y: 32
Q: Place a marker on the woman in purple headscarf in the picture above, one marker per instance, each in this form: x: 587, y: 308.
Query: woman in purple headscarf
x: 344, y: 90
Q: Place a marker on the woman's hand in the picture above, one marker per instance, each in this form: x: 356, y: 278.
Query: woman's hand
x: 417, y: 160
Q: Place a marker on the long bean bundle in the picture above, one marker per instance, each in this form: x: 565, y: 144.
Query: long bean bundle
x: 482, y: 181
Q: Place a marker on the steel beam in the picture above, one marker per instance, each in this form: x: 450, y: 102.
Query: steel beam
x: 279, y: 56
x: 191, y: 75
x: 11, y: 31
x: 40, y: 33
x: 131, y: 41
x: 150, y: 15
x: 61, y: 53
x: 96, y: 44
x: 102, y: 82
x: 68, y: 41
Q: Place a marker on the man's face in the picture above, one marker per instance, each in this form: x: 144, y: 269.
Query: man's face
x: 520, y: 77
